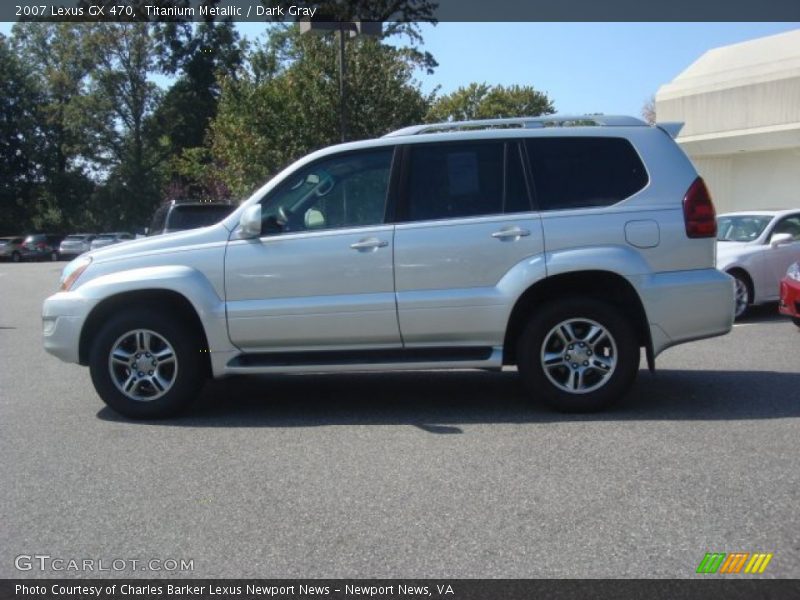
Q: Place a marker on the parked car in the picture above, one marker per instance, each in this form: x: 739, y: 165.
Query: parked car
x: 76, y: 244
x: 756, y: 248
x: 560, y: 245
x: 11, y: 248
x: 108, y: 239
x: 790, y: 293
x: 41, y: 246
x: 183, y: 215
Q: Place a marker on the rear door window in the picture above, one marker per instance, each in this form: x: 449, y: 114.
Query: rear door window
x: 584, y: 172
x: 464, y: 179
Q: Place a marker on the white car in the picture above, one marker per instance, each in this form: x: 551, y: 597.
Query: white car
x: 756, y: 247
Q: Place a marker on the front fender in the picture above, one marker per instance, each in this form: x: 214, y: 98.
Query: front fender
x: 186, y: 281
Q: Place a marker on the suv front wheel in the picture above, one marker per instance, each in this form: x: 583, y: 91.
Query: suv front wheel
x: 146, y: 365
x: 578, y: 355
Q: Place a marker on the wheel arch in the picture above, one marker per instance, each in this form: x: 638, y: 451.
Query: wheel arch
x: 166, y: 300
x: 606, y: 286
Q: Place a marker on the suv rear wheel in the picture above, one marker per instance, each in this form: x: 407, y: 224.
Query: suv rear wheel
x: 146, y: 365
x: 578, y: 355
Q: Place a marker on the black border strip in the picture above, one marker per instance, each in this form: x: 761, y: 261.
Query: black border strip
x: 432, y: 10
x: 700, y: 588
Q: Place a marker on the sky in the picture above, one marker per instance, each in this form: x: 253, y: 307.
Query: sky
x: 610, y: 68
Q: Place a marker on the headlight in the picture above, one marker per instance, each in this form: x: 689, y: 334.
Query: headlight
x: 72, y: 271
x: 793, y: 272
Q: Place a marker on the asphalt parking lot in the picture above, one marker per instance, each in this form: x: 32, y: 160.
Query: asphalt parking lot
x: 404, y: 475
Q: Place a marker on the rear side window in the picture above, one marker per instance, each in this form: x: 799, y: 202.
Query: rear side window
x: 576, y: 172
x: 455, y: 180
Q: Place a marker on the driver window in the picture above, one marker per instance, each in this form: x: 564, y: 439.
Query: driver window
x: 343, y: 191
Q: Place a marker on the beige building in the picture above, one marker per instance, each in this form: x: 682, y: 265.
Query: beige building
x: 741, y: 109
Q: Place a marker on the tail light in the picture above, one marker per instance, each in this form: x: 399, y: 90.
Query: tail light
x: 698, y: 211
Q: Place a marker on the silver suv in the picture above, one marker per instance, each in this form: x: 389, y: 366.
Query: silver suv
x: 560, y: 245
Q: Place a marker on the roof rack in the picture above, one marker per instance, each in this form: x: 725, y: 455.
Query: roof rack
x: 521, y: 122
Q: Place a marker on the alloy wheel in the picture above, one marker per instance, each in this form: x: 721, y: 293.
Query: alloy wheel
x: 143, y: 365
x: 579, y: 355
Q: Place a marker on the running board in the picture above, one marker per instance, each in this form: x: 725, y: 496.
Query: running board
x: 482, y: 357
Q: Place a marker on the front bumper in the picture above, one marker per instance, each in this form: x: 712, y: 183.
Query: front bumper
x: 63, y: 315
x: 790, y: 298
x: 687, y: 305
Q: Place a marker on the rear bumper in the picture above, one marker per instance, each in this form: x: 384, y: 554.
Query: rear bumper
x: 790, y: 298
x: 687, y: 305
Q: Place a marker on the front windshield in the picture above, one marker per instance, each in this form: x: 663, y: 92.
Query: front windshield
x: 741, y: 228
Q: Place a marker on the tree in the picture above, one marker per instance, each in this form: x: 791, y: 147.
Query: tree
x: 59, y: 65
x: 482, y: 101
x: 288, y: 103
x: 124, y: 143
x: 200, y: 55
x: 20, y: 140
x: 649, y: 110
x: 399, y: 17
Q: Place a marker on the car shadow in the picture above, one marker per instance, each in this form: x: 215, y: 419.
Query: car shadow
x: 440, y: 401
x: 762, y: 313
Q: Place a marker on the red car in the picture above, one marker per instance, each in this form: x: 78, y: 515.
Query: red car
x: 790, y: 293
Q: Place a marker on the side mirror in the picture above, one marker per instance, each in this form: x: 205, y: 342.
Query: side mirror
x: 250, y: 223
x: 779, y: 239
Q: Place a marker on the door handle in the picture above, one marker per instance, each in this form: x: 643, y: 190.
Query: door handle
x: 369, y: 244
x: 510, y: 232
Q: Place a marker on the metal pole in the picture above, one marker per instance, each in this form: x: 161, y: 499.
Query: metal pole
x: 342, y: 85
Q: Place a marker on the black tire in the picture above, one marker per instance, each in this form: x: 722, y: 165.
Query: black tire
x: 188, y: 375
x: 601, y: 386
x: 796, y: 321
x: 15, y: 257
x: 742, y: 283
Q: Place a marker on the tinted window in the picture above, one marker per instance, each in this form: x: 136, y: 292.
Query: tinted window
x: 455, y: 180
x: 344, y: 191
x: 190, y: 216
x: 574, y: 172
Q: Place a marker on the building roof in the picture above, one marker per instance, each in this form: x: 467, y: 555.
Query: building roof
x: 739, y: 98
x: 754, y: 61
